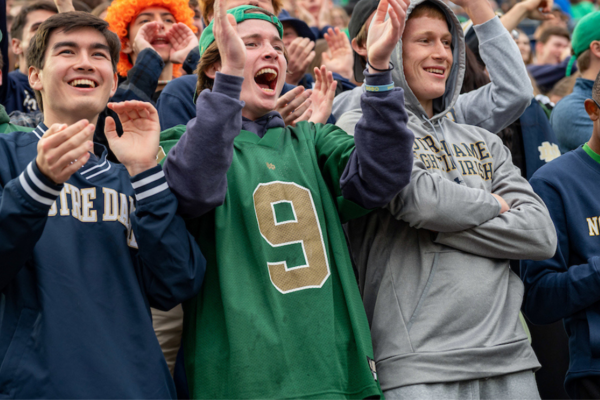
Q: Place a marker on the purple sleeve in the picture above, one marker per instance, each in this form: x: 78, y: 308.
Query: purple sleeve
x: 196, y: 168
x: 381, y: 164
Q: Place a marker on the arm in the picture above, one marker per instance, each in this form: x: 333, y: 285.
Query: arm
x: 533, y: 9
x: 142, y: 78
x: 424, y: 203
x: 172, y: 267
x: 26, y: 200
x: 205, y: 150
x: 498, y: 104
x: 380, y: 165
x: 523, y: 232
x: 553, y: 288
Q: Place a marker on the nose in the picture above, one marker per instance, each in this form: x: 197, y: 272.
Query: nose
x: 440, y: 51
x: 270, y: 53
x: 84, y: 62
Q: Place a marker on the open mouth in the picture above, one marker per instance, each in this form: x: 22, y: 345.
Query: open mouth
x: 266, y: 79
x: 83, y: 83
x: 162, y: 40
x: 437, y: 71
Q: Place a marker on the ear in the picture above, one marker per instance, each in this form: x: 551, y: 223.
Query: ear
x: 127, y: 48
x: 360, y: 50
x: 595, y: 48
x: 211, y: 71
x: 15, y: 45
x: 591, y: 109
x: 35, y: 78
x: 115, y: 85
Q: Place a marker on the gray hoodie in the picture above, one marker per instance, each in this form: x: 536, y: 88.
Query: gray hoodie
x: 433, y: 266
x: 493, y: 106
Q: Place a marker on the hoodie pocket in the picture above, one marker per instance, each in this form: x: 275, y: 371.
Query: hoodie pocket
x: 11, y: 365
x: 425, y: 291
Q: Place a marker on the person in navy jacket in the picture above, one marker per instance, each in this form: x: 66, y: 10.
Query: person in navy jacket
x: 86, y: 246
x: 567, y: 286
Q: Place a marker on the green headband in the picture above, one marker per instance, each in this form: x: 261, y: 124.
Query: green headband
x: 240, y: 13
x: 585, y: 33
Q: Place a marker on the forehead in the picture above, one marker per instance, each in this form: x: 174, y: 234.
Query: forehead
x: 81, y: 37
x: 558, y: 40
x: 38, y: 16
x: 257, y: 26
x: 266, y: 4
x: 419, y: 25
x: 157, y: 11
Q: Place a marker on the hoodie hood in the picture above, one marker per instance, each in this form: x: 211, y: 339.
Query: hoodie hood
x: 444, y: 104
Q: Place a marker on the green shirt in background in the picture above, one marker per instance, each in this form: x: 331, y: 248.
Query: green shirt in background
x: 6, y: 126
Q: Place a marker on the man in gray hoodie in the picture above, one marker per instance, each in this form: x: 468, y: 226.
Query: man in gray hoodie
x: 434, y: 265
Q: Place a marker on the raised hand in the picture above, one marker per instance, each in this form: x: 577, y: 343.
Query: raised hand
x: 323, y: 19
x: 231, y: 46
x: 383, y: 35
x: 136, y: 149
x: 322, y: 95
x: 182, y: 40
x: 64, y: 6
x: 300, y: 55
x: 538, y: 9
x: 294, y: 106
x: 64, y: 149
x: 339, y: 58
x: 146, y: 35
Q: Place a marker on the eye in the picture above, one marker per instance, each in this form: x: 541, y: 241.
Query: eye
x: 66, y: 51
x: 170, y: 20
x: 278, y: 48
x: 251, y: 44
x: 100, y: 54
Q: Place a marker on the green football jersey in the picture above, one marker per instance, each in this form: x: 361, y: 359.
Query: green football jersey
x: 280, y: 314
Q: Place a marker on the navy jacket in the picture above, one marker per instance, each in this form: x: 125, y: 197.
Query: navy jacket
x: 567, y: 286
x: 81, y: 265
x: 17, y: 94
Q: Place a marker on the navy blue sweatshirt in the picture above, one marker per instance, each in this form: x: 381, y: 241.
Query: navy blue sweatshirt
x: 378, y: 169
x: 81, y: 263
x: 567, y: 286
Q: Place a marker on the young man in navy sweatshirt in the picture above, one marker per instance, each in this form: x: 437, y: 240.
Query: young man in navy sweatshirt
x: 86, y: 246
x: 567, y: 286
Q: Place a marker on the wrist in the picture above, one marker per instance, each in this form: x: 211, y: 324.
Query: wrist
x: 137, y: 168
x: 479, y: 12
x: 227, y: 70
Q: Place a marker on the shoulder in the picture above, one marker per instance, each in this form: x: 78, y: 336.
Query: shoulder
x: 558, y: 170
x: 181, y: 87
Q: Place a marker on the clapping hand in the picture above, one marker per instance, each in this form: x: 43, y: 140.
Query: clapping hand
x: 136, y: 149
x: 383, y: 35
x: 339, y: 58
x: 182, y: 40
x: 322, y: 95
x: 231, y: 46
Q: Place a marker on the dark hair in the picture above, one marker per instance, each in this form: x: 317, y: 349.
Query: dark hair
x: 553, y: 31
x: 596, y: 89
x: 67, y: 22
x: 475, y: 77
x: 16, y: 29
x: 428, y: 9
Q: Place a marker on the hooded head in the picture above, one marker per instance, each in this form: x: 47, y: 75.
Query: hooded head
x: 122, y: 13
x: 430, y: 58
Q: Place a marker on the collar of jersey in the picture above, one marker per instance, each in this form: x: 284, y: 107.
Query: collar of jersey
x: 95, y: 164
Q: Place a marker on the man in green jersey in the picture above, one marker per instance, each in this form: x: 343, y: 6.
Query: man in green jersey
x: 280, y: 313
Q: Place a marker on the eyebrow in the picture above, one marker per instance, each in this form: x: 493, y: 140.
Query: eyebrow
x: 165, y: 14
x: 258, y: 36
x: 100, y: 46
x: 35, y: 26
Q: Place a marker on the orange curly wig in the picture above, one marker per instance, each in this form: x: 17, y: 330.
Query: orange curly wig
x: 121, y: 14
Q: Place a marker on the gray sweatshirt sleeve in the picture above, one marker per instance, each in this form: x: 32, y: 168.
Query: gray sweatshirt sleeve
x: 499, y: 103
x: 424, y: 203
x: 205, y: 150
x: 524, y: 232
x: 348, y: 121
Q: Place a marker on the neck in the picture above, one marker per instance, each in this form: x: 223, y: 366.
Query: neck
x: 51, y: 117
x: 165, y: 75
x: 252, y: 116
x: 594, y: 141
x: 591, y: 72
x: 23, y: 64
x: 427, y: 106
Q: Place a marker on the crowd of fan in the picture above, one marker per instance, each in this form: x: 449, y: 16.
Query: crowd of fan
x: 529, y: 76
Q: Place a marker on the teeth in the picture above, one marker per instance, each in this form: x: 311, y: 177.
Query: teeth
x: 268, y: 90
x: 83, y: 82
x: 267, y: 71
x: 435, y: 71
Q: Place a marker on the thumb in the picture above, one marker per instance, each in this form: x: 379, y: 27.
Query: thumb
x: 110, y: 130
x: 232, y: 20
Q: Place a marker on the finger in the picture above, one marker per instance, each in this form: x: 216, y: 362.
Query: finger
x: 110, y: 130
x: 331, y: 94
x: 311, y: 57
x: 289, y: 96
x: 72, y: 168
x: 307, y: 49
x: 297, y: 102
x: 83, y: 136
x: 74, y: 154
x: 304, y: 117
x: 300, y: 110
x: 381, y: 11
x: 54, y: 128
x: 55, y: 140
